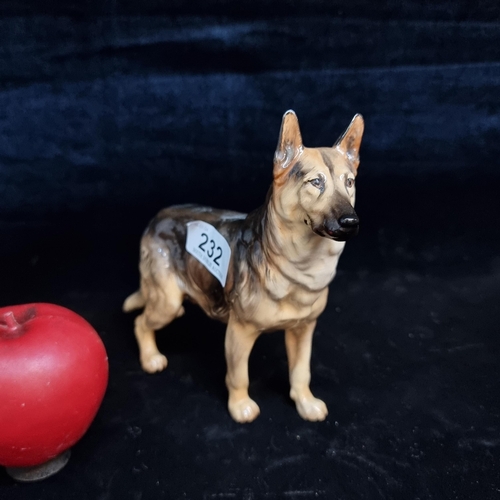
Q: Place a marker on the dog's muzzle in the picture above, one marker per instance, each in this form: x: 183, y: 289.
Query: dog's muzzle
x: 340, y: 229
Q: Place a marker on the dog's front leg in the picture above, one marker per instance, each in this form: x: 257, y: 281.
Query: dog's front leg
x: 240, y: 339
x: 298, y: 347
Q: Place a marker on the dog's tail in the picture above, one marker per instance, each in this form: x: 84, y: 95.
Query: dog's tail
x: 134, y: 301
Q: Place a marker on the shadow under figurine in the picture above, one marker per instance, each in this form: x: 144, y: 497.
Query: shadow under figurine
x: 279, y: 261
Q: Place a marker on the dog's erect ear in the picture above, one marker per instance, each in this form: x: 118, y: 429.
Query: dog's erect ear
x: 289, y: 143
x: 350, y: 141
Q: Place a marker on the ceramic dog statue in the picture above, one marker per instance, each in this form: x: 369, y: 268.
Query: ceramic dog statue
x: 278, y: 262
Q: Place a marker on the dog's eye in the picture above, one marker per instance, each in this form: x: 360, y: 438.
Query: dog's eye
x: 349, y: 182
x: 317, y: 183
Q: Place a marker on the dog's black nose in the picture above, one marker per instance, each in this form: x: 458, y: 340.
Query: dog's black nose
x: 349, y: 221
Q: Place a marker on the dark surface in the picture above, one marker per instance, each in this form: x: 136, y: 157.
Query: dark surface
x: 112, y: 110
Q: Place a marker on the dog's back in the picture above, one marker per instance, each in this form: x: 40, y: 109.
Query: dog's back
x: 164, y: 259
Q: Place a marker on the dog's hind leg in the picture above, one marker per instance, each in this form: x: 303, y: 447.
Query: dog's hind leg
x: 298, y: 347
x: 152, y: 360
x: 163, y: 303
x: 162, y: 307
x: 238, y: 344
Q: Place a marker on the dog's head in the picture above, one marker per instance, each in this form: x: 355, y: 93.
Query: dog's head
x: 315, y: 186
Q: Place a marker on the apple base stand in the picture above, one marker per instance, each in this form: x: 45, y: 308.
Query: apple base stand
x: 38, y: 472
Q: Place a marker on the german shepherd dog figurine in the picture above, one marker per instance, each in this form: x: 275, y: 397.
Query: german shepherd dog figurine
x: 283, y: 257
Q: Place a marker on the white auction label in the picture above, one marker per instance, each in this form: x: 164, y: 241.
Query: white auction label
x: 208, y: 246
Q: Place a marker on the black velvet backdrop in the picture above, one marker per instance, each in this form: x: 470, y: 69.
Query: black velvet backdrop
x: 112, y: 110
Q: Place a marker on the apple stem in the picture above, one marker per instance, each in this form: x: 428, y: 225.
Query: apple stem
x: 9, y: 327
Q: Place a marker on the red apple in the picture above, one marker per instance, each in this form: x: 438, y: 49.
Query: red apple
x: 53, y: 375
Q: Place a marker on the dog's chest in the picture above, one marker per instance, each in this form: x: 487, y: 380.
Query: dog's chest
x: 298, y: 281
x: 297, y: 307
x: 295, y: 294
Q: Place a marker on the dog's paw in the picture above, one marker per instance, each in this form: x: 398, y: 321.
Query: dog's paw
x: 154, y: 363
x: 312, y: 409
x: 243, y: 411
